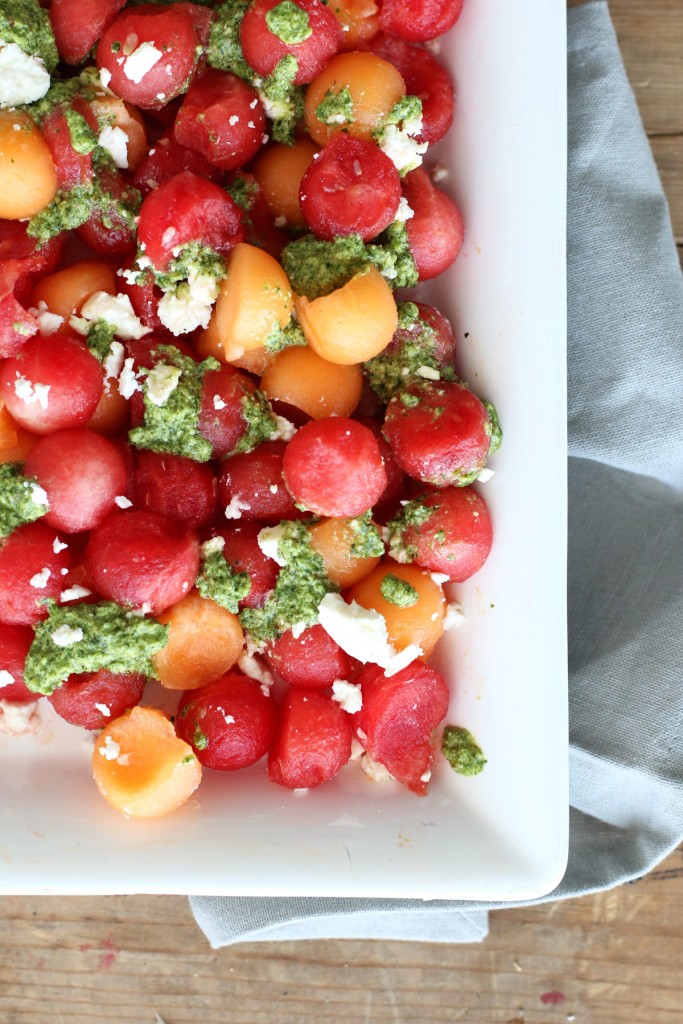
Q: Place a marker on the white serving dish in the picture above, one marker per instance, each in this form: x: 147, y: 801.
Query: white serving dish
x: 501, y: 835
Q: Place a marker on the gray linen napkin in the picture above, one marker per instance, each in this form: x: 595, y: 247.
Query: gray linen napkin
x: 625, y: 532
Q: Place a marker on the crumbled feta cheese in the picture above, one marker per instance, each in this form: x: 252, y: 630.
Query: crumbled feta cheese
x: 400, y: 146
x: 440, y: 578
x: 218, y: 402
x: 113, y: 363
x: 426, y: 776
x: 347, y: 695
x: 57, y: 544
x: 39, y: 581
x: 273, y: 488
x: 110, y: 749
x: 357, y: 749
x: 168, y: 236
x: 115, y: 141
x: 128, y: 380
x: 29, y: 392
x: 229, y: 719
x: 141, y: 61
x: 438, y: 173
x: 362, y: 633
x: 297, y: 629
x: 374, y: 770
x: 18, y: 718
x: 6, y: 678
x: 105, y: 78
x: 48, y: 323
x: 162, y: 380
x: 23, y: 78
x: 454, y: 616
x: 269, y: 539
x: 122, y: 501
x: 116, y: 310
x: 213, y: 546
x: 284, y: 430
x: 428, y: 372
x: 236, y: 507
x: 39, y: 497
x: 105, y: 710
x: 485, y: 475
x: 253, y: 668
x: 65, y: 636
x: 233, y: 120
x: 190, y: 305
x: 405, y: 211
x: 74, y: 593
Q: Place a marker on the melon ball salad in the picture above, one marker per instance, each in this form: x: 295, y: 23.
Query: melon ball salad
x: 235, y: 455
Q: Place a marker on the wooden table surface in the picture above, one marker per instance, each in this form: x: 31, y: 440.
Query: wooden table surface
x: 614, y: 957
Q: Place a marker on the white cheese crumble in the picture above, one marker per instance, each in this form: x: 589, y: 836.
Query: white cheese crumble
x: 374, y: 770
x: 347, y: 695
x: 438, y: 173
x: 297, y: 629
x: 485, y: 475
x: 284, y: 430
x: 105, y: 710
x: 23, y: 78
x: 229, y: 719
x: 190, y: 305
x: 218, y: 402
x: 269, y: 539
x: 454, y: 616
x: 65, y: 636
x: 280, y: 222
x: 213, y: 546
x: 6, y: 678
x: 162, y: 380
x: 236, y: 507
x: 128, y: 380
x: 105, y: 78
x: 141, y: 61
x: 116, y: 310
x: 405, y: 211
x: 428, y: 372
x: 18, y: 718
x: 253, y: 668
x: 39, y: 581
x: 115, y: 141
x: 39, y: 497
x: 48, y: 323
x: 57, y: 544
x: 122, y: 501
x: 29, y: 393
x: 439, y: 578
x: 74, y: 593
x: 362, y: 633
x: 400, y: 146
x: 110, y: 749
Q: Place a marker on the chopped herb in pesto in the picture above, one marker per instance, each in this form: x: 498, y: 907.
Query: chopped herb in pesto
x: 83, y: 138
x: 27, y: 25
x: 261, y: 422
x: 336, y: 107
x: 173, y: 425
x: 199, y: 739
x: 218, y: 581
x: 283, y: 102
x: 462, y: 751
x: 99, y: 339
x: 224, y: 50
x: 191, y: 259
x: 301, y: 585
x: 284, y: 337
x: 412, y: 348
x: 408, y: 400
x: 367, y: 542
x: 243, y: 192
x: 493, y: 428
x: 22, y: 500
x: 397, y: 134
x: 413, y: 515
x: 91, y: 637
x: 60, y: 93
x: 397, y: 591
x: 316, y: 267
x: 289, y: 23
x: 407, y: 112
x: 73, y: 207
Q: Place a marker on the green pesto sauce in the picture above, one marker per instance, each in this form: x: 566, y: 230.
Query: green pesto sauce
x: 284, y: 337
x: 261, y: 423
x: 392, y: 256
x: 283, y: 101
x: 412, y: 516
x: 59, y: 94
x: 242, y: 192
x: 99, y: 339
x: 289, y: 22
x: 462, y: 751
x: 397, y: 591
x: 493, y: 428
x: 193, y: 258
x: 17, y: 505
x: 113, y: 639
x: 25, y: 23
x: 224, y: 50
x: 173, y: 427
x: 367, y: 542
x: 200, y: 740
x: 218, y: 581
x: 301, y: 585
x: 407, y: 109
x: 83, y: 138
x: 336, y: 107
x: 413, y: 346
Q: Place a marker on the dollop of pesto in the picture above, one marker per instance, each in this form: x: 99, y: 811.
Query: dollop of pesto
x: 22, y: 499
x: 367, y: 541
x: 83, y: 138
x: 225, y: 50
x: 397, y: 591
x: 243, y: 192
x: 261, y: 422
x: 412, y: 348
x: 218, y: 581
x: 336, y: 107
x: 191, y: 258
x: 289, y: 22
x: 173, y: 427
x: 412, y: 516
x: 462, y: 751
x: 25, y: 23
x: 99, y: 339
x: 283, y: 102
x: 284, y: 337
x: 493, y: 428
x: 301, y: 585
x: 405, y: 112
x: 60, y: 93
x: 316, y: 267
x: 98, y: 636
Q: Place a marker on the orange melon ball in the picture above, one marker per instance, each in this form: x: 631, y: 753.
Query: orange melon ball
x: 373, y: 84
x: 333, y: 540
x: 279, y: 171
x: 302, y: 378
x: 414, y: 608
x: 204, y: 641
x: 28, y: 180
x: 65, y: 291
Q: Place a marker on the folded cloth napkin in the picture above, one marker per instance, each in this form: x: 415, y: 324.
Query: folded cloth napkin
x: 625, y: 532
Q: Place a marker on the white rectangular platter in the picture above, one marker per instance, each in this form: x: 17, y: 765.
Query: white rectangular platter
x: 503, y: 834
